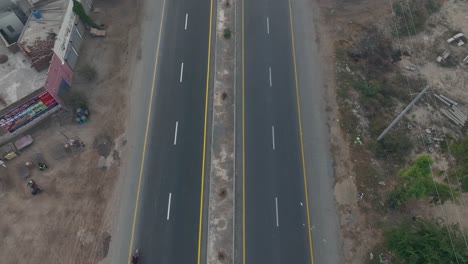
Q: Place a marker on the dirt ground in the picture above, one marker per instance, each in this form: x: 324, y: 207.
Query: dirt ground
x: 346, y: 21
x: 70, y: 222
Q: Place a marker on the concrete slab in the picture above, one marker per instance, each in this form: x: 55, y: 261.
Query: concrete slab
x: 17, y: 78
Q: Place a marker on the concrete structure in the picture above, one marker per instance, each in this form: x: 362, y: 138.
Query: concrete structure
x: 69, y: 38
x: 12, y: 20
x: 10, y: 26
x: 50, y: 44
x: 39, y: 34
x: 17, y: 78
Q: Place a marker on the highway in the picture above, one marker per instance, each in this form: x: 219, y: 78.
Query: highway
x: 168, y: 211
x: 164, y: 189
x: 275, y: 205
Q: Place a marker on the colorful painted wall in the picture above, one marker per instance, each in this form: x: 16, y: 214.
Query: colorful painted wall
x: 58, y: 72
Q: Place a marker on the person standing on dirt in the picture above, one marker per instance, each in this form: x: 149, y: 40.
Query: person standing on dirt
x: 34, y: 188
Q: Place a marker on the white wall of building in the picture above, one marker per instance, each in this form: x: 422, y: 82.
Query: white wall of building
x: 63, y: 36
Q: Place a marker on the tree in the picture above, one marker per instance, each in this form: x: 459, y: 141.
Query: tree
x: 417, y: 182
x: 79, y: 10
x: 427, y: 242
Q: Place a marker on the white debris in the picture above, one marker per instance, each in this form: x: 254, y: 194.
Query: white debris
x: 409, y: 68
x: 358, y: 141
x: 459, y: 35
x: 444, y: 56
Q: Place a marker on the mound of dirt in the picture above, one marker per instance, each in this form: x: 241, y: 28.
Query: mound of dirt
x: 103, y: 144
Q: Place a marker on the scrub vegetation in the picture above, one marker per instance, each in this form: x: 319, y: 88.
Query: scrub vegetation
x: 427, y: 242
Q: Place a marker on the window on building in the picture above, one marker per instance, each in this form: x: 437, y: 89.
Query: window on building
x: 11, y: 29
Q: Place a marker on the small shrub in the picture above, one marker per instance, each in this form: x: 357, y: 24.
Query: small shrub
x: 88, y: 72
x: 374, y: 54
x: 349, y: 121
x: 367, y: 88
x: 79, y: 10
x: 377, y: 125
x: 396, y: 145
x: 460, y: 152
x: 227, y: 33
x: 411, y: 16
x: 464, y: 184
x: 73, y: 99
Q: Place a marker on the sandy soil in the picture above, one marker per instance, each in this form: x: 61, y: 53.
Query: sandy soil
x: 345, y: 21
x: 70, y: 221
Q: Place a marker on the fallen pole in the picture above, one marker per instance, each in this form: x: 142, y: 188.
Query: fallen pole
x: 451, y: 117
x: 442, y: 100
x: 403, y: 113
x: 457, y: 110
x: 448, y: 100
x: 458, y: 115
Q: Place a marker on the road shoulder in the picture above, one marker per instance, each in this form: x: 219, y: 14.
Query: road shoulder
x: 319, y: 164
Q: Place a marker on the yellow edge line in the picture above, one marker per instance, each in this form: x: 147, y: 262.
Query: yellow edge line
x: 204, y: 137
x: 243, y: 144
x: 146, y: 134
x: 300, y: 135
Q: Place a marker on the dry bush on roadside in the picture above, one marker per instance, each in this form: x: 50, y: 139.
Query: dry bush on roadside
x: 374, y: 54
x: 88, y: 72
x: 73, y: 99
x: 411, y: 15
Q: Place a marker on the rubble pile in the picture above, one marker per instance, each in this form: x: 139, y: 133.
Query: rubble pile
x: 39, y: 52
x: 433, y: 138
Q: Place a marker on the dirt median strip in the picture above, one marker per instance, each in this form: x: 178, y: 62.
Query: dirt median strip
x: 221, y: 196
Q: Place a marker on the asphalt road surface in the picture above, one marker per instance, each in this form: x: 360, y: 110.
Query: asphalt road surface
x: 276, y: 219
x: 167, y: 222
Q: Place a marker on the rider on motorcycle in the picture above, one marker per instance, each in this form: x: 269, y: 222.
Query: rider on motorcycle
x: 135, y: 257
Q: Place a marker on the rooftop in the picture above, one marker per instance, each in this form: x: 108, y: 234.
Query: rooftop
x: 17, y: 77
x: 38, y: 36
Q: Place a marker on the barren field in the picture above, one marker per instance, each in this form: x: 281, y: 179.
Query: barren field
x: 379, y: 64
x: 69, y: 222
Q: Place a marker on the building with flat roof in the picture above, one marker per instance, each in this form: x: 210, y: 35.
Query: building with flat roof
x: 32, y: 80
x: 18, y: 78
x: 40, y: 32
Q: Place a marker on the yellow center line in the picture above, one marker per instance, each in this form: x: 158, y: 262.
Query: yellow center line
x: 300, y: 136
x: 243, y: 144
x: 135, y: 212
x: 204, y: 137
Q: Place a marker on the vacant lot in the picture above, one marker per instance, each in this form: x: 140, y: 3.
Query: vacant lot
x: 69, y: 222
x: 384, y: 53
